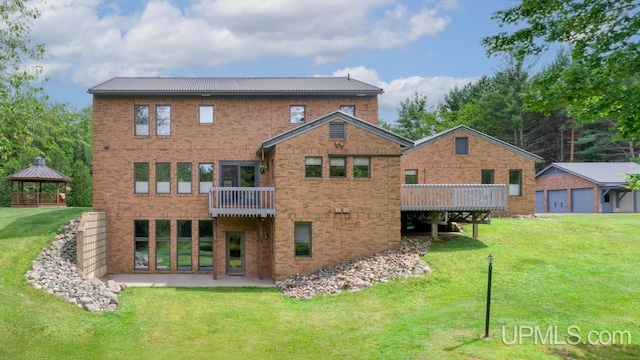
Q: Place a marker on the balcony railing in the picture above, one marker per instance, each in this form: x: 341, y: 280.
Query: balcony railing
x: 449, y: 197
x: 242, y: 201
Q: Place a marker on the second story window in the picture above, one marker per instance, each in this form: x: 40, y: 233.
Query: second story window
x: 205, y: 115
x: 205, y: 178
x: 163, y: 120
x: 361, y: 167
x: 163, y: 178
x: 141, y: 120
x: 411, y: 176
x: 184, y: 178
x: 486, y: 176
x: 297, y: 113
x: 313, y: 167
x: 337, y: 167
x: 141, y: 173
x: 348, y: 109
x: 462, y: 146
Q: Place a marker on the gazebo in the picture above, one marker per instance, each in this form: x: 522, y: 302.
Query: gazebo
x: 30, y: 191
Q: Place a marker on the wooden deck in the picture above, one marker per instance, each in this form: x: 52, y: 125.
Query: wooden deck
x: 454, y: 197
x: 242, y: 201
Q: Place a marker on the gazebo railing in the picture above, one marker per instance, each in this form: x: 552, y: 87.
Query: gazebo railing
x: 33, y: 198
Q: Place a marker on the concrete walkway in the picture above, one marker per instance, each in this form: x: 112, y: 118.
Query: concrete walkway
x: 188, y: 280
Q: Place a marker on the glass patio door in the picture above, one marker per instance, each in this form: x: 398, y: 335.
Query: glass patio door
x: 235, y: 253
x: 240, y: 175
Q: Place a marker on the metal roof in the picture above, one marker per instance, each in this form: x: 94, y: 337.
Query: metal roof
x: 336, y: 115
x: 235, y: 86
x: 602, y: 173
x: 432, y: 138
x: 38, y: 172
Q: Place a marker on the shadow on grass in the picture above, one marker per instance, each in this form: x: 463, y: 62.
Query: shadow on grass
x: 468, y: 342
x: 457, y: 243
x: 222, y: 290
x: 27, y: 226
x: 621, y: 352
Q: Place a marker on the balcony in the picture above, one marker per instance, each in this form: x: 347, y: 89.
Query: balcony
x: 450, y: 197
x: 242, y: 201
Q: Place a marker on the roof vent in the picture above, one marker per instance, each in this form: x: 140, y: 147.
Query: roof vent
x: 38, y: 161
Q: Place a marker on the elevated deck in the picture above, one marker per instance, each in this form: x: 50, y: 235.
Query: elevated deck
x: 242, y: 201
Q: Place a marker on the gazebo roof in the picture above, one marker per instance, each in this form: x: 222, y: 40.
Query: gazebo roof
x: 38, y: 172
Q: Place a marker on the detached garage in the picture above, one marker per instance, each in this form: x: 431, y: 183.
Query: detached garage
x: 586, y: 188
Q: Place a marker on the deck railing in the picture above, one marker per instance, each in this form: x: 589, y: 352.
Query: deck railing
x: 242, y: 201
x: 451, y: 197
x: 36, y: 199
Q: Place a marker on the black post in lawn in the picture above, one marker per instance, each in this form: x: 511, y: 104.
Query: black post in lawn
x: 486, y: 324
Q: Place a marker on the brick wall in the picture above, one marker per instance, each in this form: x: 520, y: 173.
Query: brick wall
x: 372, y: 223
x: 91, y: 252
x: 437, y: 164
x: 565, y: 182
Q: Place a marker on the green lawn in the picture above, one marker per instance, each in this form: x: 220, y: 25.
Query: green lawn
x: 560, y: 271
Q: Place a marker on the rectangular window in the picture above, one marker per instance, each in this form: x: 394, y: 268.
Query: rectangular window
x: 184, y: 178
x: 141, y: 120
x: 337, y: 131
x: 361, y: 167
x: 206, y: 114
x: 297, y: 113
x: 462, y: 146
x: 348, y: 109
x: 163, y: 245
x: 141, y: 240
x: 515, y: 182
x: 141, y: 171
x: 313, y: 167
x: 163, y: 120
x: 205, y: 245
x: 163, y: 178
x: 486, y: 176
x: 337, y: 167
x: 205, y: 178
x: 411, y: 176
x: 302, y: 238
x: 184, y: 245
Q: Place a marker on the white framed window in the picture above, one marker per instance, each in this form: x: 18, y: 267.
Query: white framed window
x: 206, y: 114
x: 297, y: 114
x: 163, y: 120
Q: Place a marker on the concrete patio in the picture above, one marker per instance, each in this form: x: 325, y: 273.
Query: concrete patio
x: 188, y: 280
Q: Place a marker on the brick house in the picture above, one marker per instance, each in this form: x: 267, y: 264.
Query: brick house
x: 187, y: 171
x: 462, y: 155
x: 586, y: 188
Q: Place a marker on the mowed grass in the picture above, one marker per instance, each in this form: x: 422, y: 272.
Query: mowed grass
x: 558, y: 271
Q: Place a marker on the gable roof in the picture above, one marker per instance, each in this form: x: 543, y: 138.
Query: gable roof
x: 38, y: 172
x: 235, y: 86
x: 602, y: 173
x: 433, y: 138
x: 336, y: 115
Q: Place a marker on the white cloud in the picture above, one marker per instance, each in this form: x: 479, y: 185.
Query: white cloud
x: 91, y: 41
x: 398, y: 90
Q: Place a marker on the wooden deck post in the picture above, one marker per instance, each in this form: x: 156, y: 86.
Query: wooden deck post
x: 434, y: 225
x: 474, y: 220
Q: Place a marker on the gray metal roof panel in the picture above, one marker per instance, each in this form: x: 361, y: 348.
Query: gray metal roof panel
x: 604, y: 173
x: 38, y: 172
x: 239, y: 86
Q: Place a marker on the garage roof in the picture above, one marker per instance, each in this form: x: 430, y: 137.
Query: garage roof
x: 602, y: 173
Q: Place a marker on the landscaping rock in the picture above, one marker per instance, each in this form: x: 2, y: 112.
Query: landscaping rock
x: 357, y: 274
x: 56, y: 272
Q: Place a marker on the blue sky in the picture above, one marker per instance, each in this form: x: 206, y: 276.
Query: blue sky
x: 402, y: 46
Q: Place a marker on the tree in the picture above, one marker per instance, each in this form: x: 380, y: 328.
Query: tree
x: 602, y: 79
x: 414, y: 120
x: 81, y: 186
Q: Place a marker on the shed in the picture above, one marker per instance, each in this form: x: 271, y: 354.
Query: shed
x: 27, y: 188
x: 582, y: 187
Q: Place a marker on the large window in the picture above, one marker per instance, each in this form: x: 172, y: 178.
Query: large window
x: 411, y: 176
x: 313, y: 167
x: 486, y: 176
x: 361, y: 167
x: 141, y: 120
x: 337, y: 167
x: 184, y: 245
x: 205, y: 178
x: 141, y: 240
x: 205, y: 245
x: 205, y: 115
x: 348, y: 109
x: 302, y: 238
x: 297, y: 113
x: 163, y: 120
x: 163, y: 245
x: 515, y: 182
x: 184, y: 178
x: 462, y: 146
x: 141, y: 173
x: 163, y: 178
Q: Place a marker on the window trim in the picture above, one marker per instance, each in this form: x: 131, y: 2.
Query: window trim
x: 466, y: 145
x: 344, y: 158
x: 306, y: 174
x: 190, y: 177
x: 135, y: 188
x: 304, y: 114
x: 135, y: 128
x: 368, y: 167
x: 519, y: 172
x: 213, y: 115
x: 295, y: 240
x: 158, y: 125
